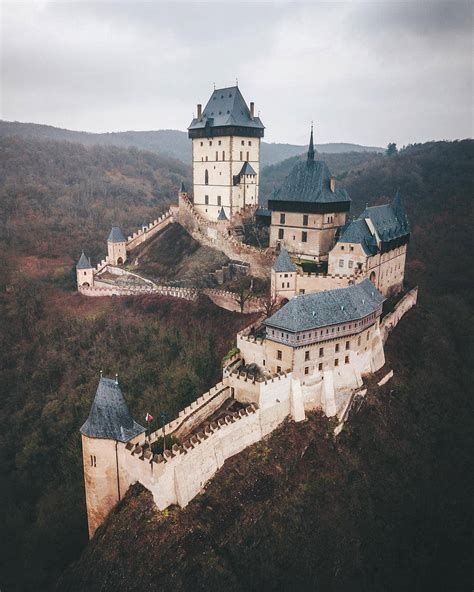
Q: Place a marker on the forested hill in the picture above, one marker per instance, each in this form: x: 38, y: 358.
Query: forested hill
x: 56, y: 197
x: 387, y: 506
x: 173, y: 143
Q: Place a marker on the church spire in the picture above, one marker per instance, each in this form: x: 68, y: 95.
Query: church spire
x: 311, y: 146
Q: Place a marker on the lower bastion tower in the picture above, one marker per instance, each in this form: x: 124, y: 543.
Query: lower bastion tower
x: 109, y: 423
x: 226, y: 154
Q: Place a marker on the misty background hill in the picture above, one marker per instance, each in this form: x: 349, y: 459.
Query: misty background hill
x: 172, y: 143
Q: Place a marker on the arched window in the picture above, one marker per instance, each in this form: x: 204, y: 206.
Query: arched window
x: 206, y: 177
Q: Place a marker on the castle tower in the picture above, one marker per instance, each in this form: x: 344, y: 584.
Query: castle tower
x: 226, y: 154
x: 283, y: 277
x: 109, y: 423
x: 84, y: 272
x: 308, y: 209
x: 116, y: 247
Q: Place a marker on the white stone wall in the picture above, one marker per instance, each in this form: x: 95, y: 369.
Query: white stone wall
x: 222, y: 158
x: 117, y: 253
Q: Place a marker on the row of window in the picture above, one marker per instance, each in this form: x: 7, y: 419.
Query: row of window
x: 329, y: 219
x: 219, y: 143
x: 326, y: 332
x: 206, y: 200
x: 206, y: 158
x: 320, y: 365
x: 304, y: 235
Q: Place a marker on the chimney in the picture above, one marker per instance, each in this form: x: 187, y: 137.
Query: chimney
x: 199, y: 111
x: 252, y: 110
x: 332, y: 184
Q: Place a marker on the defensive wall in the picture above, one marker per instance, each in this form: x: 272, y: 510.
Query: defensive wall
x: 391, y: 320
x: 148, y: 231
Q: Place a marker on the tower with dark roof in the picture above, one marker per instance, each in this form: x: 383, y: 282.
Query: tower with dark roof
x: 308, y: 209
x: 109, y: 424
x: 226, y: 137
x: 116, y: 247
x: 84, y: 272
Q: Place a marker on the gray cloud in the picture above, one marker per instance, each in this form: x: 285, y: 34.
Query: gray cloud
x: 365, y: 72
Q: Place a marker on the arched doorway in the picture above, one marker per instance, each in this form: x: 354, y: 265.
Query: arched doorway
x: 372, y: 277
x: 120, y: 261
x: 86, y: 284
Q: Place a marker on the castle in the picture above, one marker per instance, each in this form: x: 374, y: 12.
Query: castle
x: 312, y: 353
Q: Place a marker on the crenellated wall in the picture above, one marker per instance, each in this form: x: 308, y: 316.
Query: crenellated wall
x: 146, y: 232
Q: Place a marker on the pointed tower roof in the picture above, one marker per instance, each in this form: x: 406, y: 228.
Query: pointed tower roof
x: 109, y: 417
x: 311, y: 146
x: 283, y: 263
x: 84, y: 262
x: 222, y: 215
x: 226, y: 108
x: 116, y: 235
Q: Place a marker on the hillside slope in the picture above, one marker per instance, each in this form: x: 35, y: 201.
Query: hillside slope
x: 171, y: 143
x: 56, y: 197
x: 385, y: 507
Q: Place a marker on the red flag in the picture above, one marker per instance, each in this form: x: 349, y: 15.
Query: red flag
x: 149, y: 418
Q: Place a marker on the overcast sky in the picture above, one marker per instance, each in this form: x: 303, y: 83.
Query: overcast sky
x: 365, y: 72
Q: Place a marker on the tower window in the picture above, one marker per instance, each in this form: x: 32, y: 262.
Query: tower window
x: 206, y: 200
x: 320, y: 367
x: 241, y: 153
x: 305, y: 220
x: 243, y: 143
x: 348, y: 344
x: 336, y: 362
x: 337, y: 347
x: 223, y: 155
x: 346, y: 360
x: 202, y: 143
x: 279, y: 354
x: 206, y: 176
x: 341, y: 262
x: 306, y: 370
x: 321, y: 352
x: 248, y: 156
x: 217, y: 155
x: 219, y: 199
x: 282, y: 218
x: 219, y: 142
x: 306, y: 356
x: 250, y: 143
x: 210, y: 143
x: 304, y: 237
x: 281, y: 233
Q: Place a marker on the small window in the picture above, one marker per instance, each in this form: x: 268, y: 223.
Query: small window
x: 305, y: 220
x: 223, y: 155
x: 250, y: 143
x: 206, y: 158
x: 286, y: 275
x: 278, y: 369
x: 348, y: 344
x: 336, y: 362
x: 243, y: 142
x: 282, y: 218
x: 346, y: 360
x: 320, y: 367
x: 206, y: 176
x: 217, y: 155
x: 241, y: 155
x: 206, y: 200
x: 263, y: 362
x: 368, y: 335
x: 219, y: 142
x: 85, y: 273
x: 304, y: 237
x: 219, y: 199
x: 202, y: 143
x: 306, y: 356
x: 342, y: 247
x: 341, y: 262
x: 358, y: 340
x: 210, y: 143
x: 337, y: 347
x: 281, y: 233
x: 351, y: 248
x: 248, y: 156
x: 351, y: 264
x: 279, y: 354
x: 283, y: 284
x: 306, y: 370
x: 287, y: 284
x: 321, y: 352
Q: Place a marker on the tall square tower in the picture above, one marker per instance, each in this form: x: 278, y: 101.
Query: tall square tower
x: 226, y: 154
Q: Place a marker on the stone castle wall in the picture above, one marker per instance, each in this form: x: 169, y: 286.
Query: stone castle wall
x: 391, y: 320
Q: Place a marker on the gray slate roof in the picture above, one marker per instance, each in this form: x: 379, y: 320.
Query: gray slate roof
x: 313, y: 311
x: 357, y: 231
x: 390, y: 220
x: 226, y: 107
x: 246, y: 169
x: 116, y: 235
x: 222, y: 215
x: 283, y: 263
x: 109, y: 416
x: 309, y: 181
x: 84, y: 262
